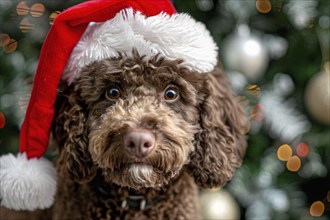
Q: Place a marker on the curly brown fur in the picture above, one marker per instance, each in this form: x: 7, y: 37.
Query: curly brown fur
x: 199, y: 135
x: 220, y: 143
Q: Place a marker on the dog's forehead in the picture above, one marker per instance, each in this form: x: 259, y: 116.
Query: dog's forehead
x: 134, y: 72
x: 151, y: 77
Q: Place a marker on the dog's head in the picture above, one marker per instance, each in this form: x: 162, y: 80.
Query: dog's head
x: 141, y: 122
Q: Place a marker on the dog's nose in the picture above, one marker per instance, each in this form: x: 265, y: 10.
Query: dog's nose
x: 139, y: 142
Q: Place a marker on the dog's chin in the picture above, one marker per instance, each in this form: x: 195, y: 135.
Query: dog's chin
x: 138, y: 176
x: 141, y: 174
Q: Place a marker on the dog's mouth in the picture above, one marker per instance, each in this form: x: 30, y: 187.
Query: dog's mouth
x: 140, y: 174
x: 137, y: 164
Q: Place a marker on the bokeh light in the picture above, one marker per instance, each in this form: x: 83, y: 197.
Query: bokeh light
x: 205, y: 5
x: 26, y: 25
x: 254, y: 90
x: 252, y: 47
x: 263, y: 6
x: 11, y: 46
x: 22, y: 8
x: 4, y: 39
x: 317, y: 209
x: 284, y: 152
x: 302, y: 149
x: 328, y: 196
x: 293, y: 164
x: 52, y: 17
x: 257, y: 112
x: 37, y: 10
x: 2, y: 120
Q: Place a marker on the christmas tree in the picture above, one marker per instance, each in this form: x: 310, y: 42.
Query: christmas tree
x: 277, y: 56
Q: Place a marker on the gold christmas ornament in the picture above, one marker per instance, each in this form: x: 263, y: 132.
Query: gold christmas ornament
x: 218, y: 204
x: 317, y: 97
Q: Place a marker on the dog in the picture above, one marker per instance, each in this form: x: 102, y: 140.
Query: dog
x: 142, y: 118
x: 135, y: 137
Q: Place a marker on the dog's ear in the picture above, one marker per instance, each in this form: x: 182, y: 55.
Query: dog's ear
x: 74, y: 160
x: 221, y: 142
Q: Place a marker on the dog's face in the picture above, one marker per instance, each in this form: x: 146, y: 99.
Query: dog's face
x: 139, y: 122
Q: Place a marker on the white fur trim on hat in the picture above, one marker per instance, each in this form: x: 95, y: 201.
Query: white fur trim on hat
x: 175, y: 36
x: 26, y: 184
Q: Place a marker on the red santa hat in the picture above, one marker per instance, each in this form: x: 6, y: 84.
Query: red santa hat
x: 91, y: 31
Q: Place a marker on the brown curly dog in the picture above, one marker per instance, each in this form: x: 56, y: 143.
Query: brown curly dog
x: 135, y: 137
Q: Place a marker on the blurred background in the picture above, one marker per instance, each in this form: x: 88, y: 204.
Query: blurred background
x: 276, y: 54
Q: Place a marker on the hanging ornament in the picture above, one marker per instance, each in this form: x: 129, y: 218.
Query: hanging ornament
x: 317, y: 93
x: 317, y: 97
x: 244, y: 52
x: 218, y: 204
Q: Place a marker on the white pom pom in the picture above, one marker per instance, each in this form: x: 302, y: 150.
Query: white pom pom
x: 26, y: 184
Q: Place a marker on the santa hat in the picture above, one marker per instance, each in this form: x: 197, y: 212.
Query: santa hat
x: 91, y: 31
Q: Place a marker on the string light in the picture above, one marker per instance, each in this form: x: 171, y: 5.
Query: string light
x: 36, y: 10
x: 293, y: 164
x: 263, y: 6
x: 257, y: 112
x: 22, y: 8
x: 11, y: 46
x: 284, y: 152
x: 302, y: 149
x: 52, y: 17
x: 26, y: 25
x: 4, y: 39
x: 317, y: 209
x: 2, y: 120
x: 250, y: 102
x: 254, y: 90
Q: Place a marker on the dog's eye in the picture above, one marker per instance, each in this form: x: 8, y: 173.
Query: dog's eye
x: 113, y: 92
x: 170, y: 94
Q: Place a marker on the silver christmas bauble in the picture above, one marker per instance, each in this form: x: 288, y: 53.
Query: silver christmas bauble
x: 218, y: 204
x: 317, y: 97
x: 245, y: 53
